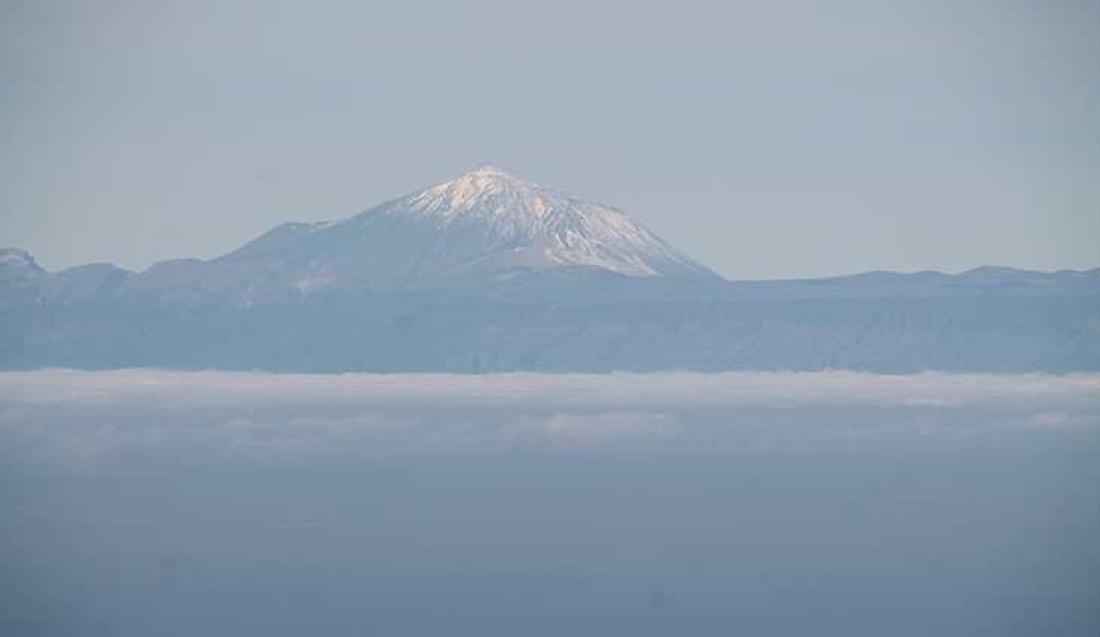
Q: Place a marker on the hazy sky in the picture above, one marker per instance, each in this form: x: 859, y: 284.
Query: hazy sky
x: 769, y: 140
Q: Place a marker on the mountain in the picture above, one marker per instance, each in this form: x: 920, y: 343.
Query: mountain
x: 488, y: 272
x: 21, y: 278
x: 483, y: 227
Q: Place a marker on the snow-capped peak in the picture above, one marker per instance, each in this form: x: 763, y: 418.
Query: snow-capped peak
x: 525, y: 224
x: 484, y: 223
x: 489, y: 191
x: 490, y: 170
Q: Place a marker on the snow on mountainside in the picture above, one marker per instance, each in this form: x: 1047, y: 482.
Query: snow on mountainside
x: 483, y: 224
x: 537, y: 227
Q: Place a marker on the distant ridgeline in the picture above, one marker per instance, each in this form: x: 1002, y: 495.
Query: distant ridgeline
x: 491, y: 273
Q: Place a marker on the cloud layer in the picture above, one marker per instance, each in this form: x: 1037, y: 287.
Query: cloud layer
x: 733, y: 388
x: 87, y: 415
x: 153, y: 502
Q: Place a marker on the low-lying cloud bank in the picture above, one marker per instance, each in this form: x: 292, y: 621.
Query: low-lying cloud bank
x: 67, y: 415
x: 209, y: 388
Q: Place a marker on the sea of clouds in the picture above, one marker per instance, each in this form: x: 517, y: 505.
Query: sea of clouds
x: 162, y: 502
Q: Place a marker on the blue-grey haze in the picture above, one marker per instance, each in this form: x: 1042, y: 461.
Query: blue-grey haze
x: 167, y: 503
x: 765, y: 139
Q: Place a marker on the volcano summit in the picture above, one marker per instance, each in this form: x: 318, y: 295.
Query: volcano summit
x: 479, y: 227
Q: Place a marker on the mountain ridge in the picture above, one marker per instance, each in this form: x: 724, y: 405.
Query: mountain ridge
x: 488, y: 273
x: 517, y: 226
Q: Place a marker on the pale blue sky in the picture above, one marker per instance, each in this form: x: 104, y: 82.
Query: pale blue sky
x: 770, y: 140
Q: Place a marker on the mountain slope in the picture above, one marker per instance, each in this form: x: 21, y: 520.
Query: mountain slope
x: 483, y: 225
